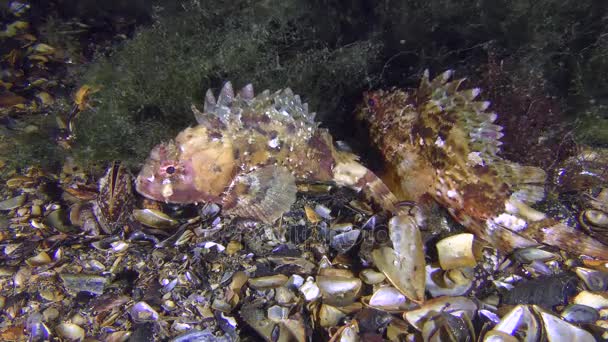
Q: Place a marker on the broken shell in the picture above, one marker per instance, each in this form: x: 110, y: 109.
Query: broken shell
x: 71, y: 332
x: 445, y: 326
x: 268, y: 281
x: 388, y: 298
x: 284, y: 296
x: 40, y: 259
x: 295, y: 282
x: 277, y: 313
x: 58, y: 219
x: 371, y: 277
x: 596, y: 217
x: 520, y: 321
x: 345, y: 241
x: 456, y: 251
x: 84, y: 282
x: 329, y: 316
x: 336, y: 272
x: 142, y: 312
x: 154, y: 218
x: 311, y: 215
x: 594, y: 280
x: 531, y: 254
x: 323, y: 211
x: 580, y: 314
x: 339, y: 291
x: 310, y: 290
x: 441, y: 304
x: 12, y: 203
x: 450, y: 283
x: 560, y: 330
x: 36, y: 328
x: 238, y: 280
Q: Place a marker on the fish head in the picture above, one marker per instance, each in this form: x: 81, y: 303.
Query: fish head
x: 167, y: 176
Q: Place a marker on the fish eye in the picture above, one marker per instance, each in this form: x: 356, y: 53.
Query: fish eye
x: 170, y: 170
x: 371, y: 102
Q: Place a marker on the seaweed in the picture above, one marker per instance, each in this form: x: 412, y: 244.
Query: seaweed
x: 149, y: 83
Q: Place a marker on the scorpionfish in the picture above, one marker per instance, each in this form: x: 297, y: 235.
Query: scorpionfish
x: 438, y: 141
x: 247, y: 153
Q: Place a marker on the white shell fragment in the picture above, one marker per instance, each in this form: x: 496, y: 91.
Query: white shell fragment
x: 371, y: 277
x: 310, y: 290
x: 388, y: 298
x: 596, y: 300
x: 142, y: 312
x: 456, y: 251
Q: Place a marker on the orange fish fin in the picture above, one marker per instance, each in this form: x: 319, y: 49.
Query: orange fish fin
x: 263, y: 194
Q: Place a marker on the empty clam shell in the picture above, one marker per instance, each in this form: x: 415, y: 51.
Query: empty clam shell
x: 456, y: 251
x: 339, y: 291
x: 154, y: 218
x: 594, y: 280
x: 580, y: 314
x: 371, y: 277
x: 388, y: 298
x: 70, y: 332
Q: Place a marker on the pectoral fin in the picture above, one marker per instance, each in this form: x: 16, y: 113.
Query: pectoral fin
x: 263, y: 194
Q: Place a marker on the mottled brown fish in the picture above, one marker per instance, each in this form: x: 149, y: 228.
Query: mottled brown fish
x: 439, y: 141
x: 247, y: 152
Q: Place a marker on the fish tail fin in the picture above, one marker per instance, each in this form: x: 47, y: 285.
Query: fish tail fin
x: 537, y: 226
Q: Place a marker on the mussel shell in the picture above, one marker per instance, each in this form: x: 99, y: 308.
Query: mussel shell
x: 580, y: 314
x: 595, y: 280
x: 13, y: 202
x: 154, y: 218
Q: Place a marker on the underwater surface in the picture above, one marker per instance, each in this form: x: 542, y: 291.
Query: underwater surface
x: 303, y: 170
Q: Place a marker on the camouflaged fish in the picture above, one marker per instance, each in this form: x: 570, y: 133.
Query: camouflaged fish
x: 247, y: 152
x: 438, y: 141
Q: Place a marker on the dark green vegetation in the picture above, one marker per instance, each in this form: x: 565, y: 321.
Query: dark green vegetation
x: 543, y: 63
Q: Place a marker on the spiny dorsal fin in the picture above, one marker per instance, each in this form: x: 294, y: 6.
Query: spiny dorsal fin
x: 246, y: 93
x: 226, y: 95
